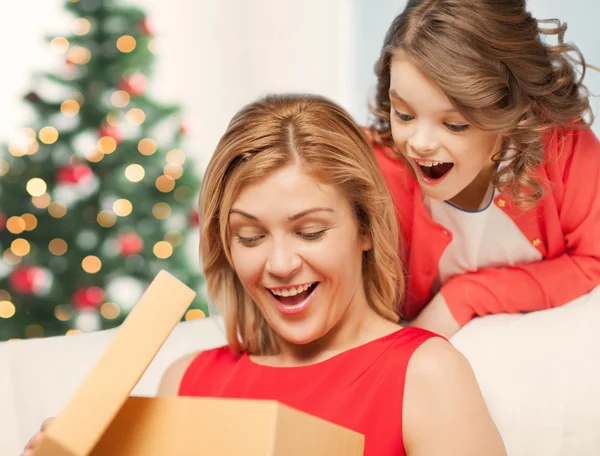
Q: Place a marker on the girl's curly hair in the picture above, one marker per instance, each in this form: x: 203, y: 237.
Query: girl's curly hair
x: 490, y: 60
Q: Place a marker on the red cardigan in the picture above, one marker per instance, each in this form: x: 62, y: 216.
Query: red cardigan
x: 564, y: 227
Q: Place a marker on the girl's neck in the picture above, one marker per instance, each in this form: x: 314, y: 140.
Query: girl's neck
x: 472, y: 196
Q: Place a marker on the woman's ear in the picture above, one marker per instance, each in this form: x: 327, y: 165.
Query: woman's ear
x: 366, y: 241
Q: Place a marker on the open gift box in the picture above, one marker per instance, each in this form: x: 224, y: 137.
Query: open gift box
x: 103, y: 419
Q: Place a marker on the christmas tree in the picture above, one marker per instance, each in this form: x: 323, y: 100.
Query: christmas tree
x: 96, y: 196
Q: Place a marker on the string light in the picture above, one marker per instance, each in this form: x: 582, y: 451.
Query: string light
x: 20, y: 247
x: 126, y: 44
x: 112, y: 119
x: 165, y: 184
x: 122, y: 207
x: 30, y: 221
x: 107, y: 145
x: 62, y: 313
x: 120, y: 99
x: 175, y: 157
x: 24, y: 144
x: 79, y: 55
x: 57, y: 247
x: 110, y: 311
x: 134, y: 173
x: 73, y: 332
x: 81, y: 26
x: 163, y: 250
x: 57, y: 209
x: 91, y: 264
x: 48, y: 135
x: 36, y: 187
x: 106, y: 219
x: 135, y: 116
x: 194, y: 314
x: 16, y: 225
x: 173, y: 171
x: 147, y: 146
x: 59, y: 45
x: 5, y: 295
x: 7, y: 309
x: 42, y: 201
x: 4, y: 167
x: 161, y: 211
x: 11, y: 258
x: 94, y: 156
x: 69, y: 108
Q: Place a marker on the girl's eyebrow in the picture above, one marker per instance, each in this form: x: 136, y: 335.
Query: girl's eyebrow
x: 394, y: 95
x: 292, y: 218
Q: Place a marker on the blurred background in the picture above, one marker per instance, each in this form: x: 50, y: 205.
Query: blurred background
x: 210, y: 58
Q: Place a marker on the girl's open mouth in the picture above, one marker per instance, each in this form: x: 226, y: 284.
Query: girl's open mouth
x: 433, y: 171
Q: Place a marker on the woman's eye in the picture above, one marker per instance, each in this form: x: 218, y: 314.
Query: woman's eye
x: 403, y: 117
x: 249, y: 241
x: 311, y: 236
x: 456, y: 128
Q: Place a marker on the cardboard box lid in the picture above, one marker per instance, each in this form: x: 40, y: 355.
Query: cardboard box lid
x: 226, y: 427
x: 107, y: 386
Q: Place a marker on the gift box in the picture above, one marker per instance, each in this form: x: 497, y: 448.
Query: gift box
x: 103, y: 419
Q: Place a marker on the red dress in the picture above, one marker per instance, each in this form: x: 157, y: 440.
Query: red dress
x: 361, y: 389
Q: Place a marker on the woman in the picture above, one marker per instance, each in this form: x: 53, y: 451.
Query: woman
x: 298, y: 245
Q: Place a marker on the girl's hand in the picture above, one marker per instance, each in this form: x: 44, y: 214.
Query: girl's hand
x: 436, y: 317
x: 37, y: 438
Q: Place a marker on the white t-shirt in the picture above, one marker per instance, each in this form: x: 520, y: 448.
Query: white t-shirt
x: 487, y: 237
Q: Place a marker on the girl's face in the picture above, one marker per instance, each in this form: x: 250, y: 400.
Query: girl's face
x: 450, y: 158
x: 297, y: 250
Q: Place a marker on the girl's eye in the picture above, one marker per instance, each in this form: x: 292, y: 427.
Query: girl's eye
x: 456, y: 128
x: 312, y: 236
x: 249, y: 241
x: 403, y: 117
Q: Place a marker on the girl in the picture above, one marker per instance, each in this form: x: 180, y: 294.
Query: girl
x: 299, y: 249
x: 482, y: 134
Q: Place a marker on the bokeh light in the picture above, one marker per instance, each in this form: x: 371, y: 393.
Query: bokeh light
x: 163, y: 249
x: 126, y: 43
x: 36, y: 187
x: 48, y: 135
x: 122, y: 207
x: 91, y: 264
x: 147, y: 146
x: 134, y: 173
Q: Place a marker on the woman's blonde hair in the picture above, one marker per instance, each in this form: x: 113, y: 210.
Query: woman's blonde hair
x: 320, y: 137
x: 489, y: 59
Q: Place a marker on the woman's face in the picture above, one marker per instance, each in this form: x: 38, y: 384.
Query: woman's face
x: 297, y: 250
x: 448, y: 155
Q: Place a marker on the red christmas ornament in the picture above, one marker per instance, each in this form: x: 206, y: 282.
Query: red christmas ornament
x: 112, y: 132
x: 194, y: 218
x: 2, y: 221
x: 130, y: 244
x: 74, y: 174
x: 134, y: 85
x: 28, y: 280
x: 88, y: 297
x: 146, y: 27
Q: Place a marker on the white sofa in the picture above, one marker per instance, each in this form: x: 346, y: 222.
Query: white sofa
x: 539, y: 372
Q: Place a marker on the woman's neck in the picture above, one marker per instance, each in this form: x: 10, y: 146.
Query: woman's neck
x: 359, y: 325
